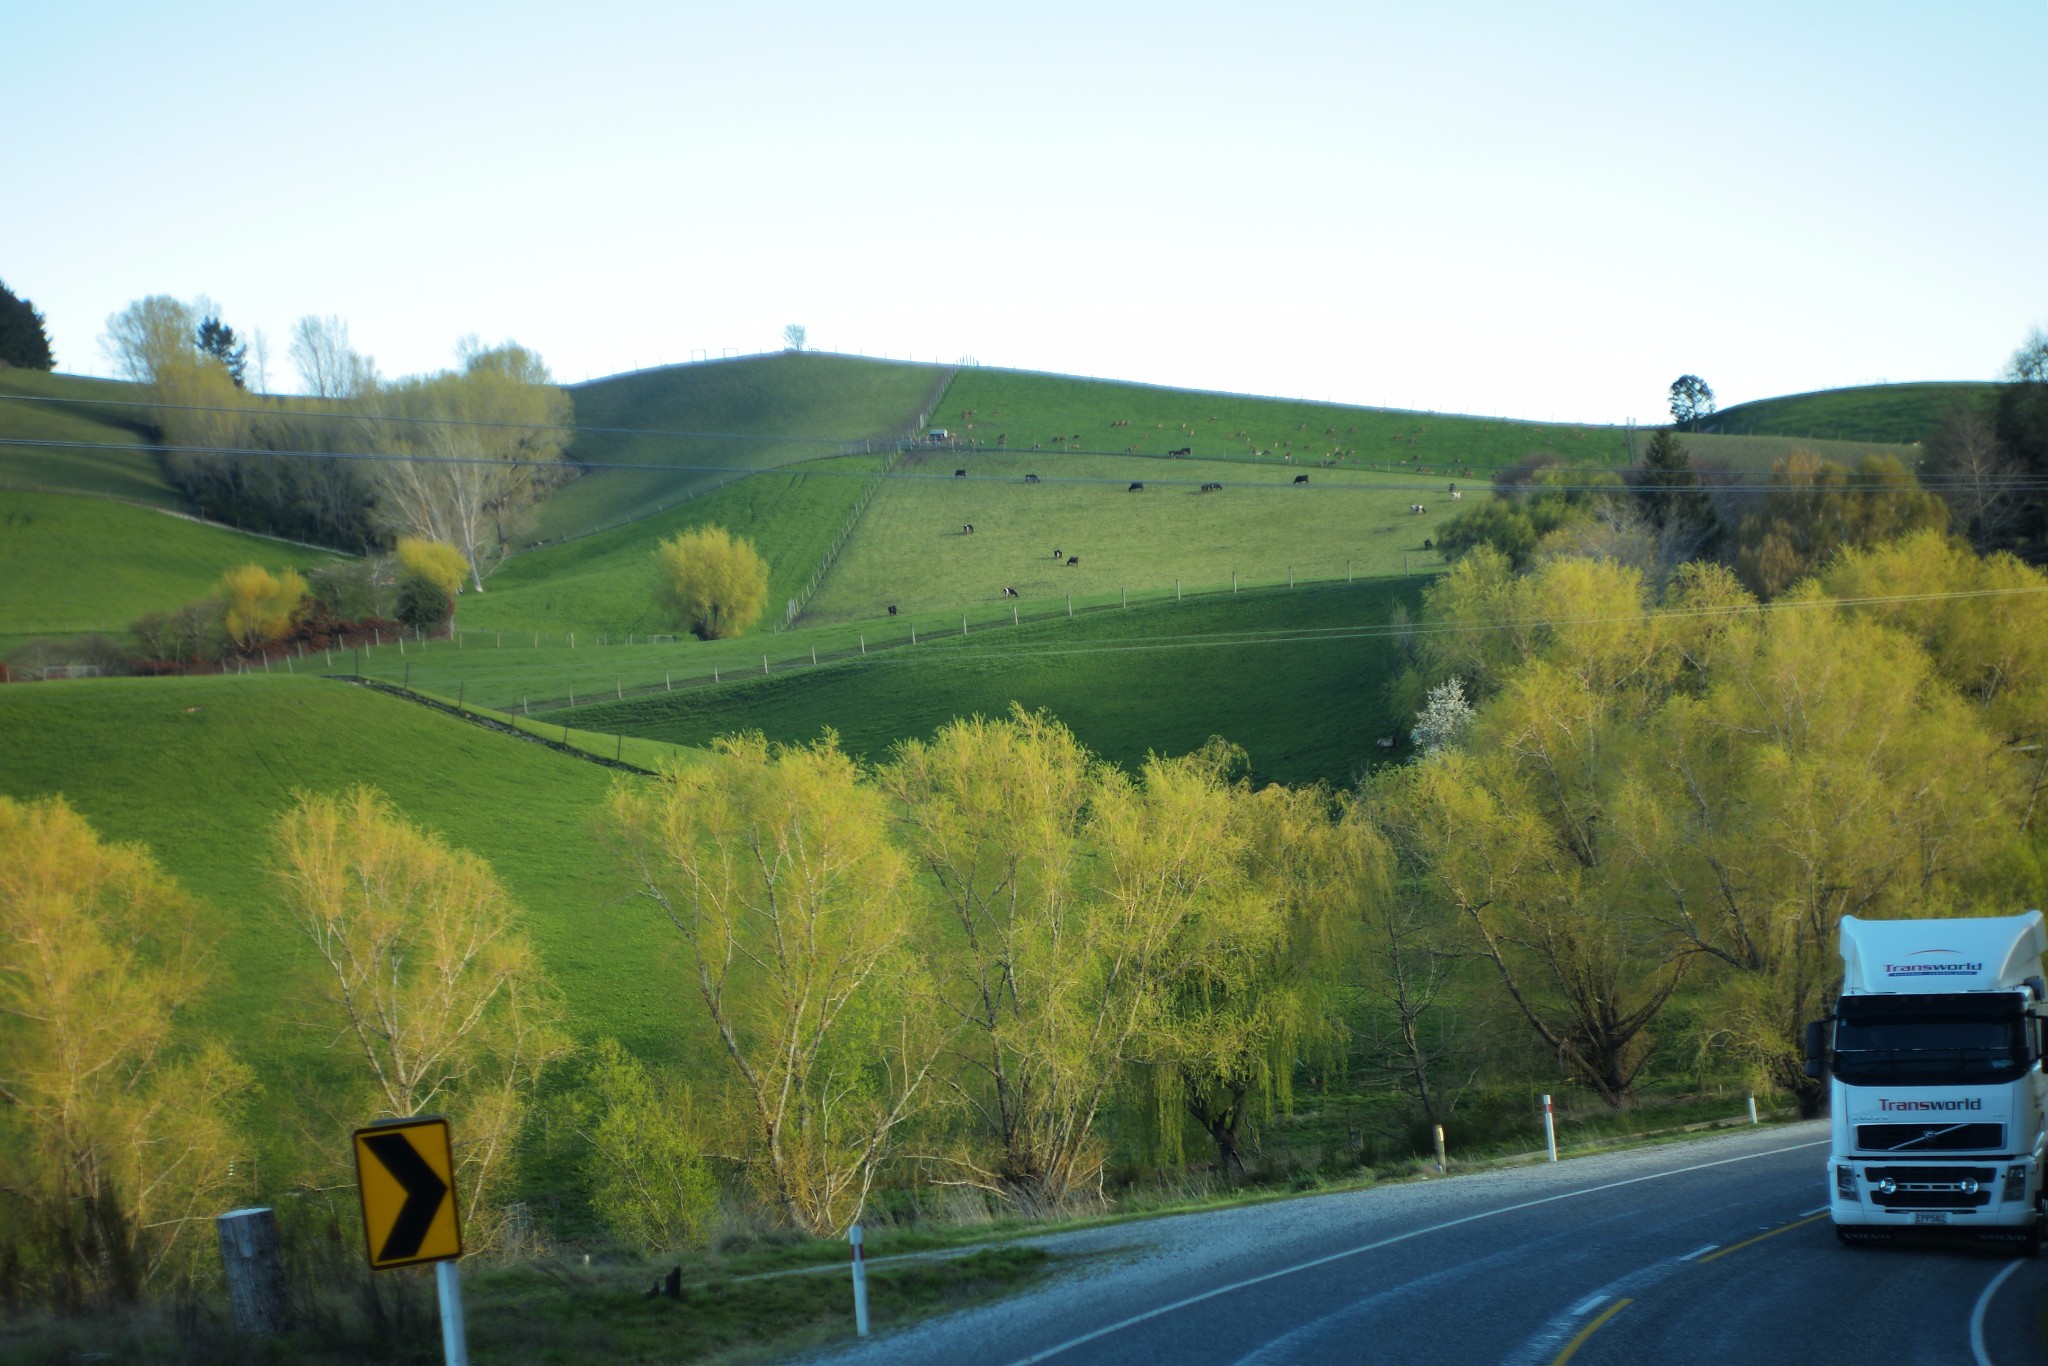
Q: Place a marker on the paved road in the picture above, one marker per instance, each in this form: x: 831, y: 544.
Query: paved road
x: 1710, y: 1251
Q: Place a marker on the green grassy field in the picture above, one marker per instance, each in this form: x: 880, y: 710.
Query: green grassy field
x: 910, y: 548
x: 1901, y: 413
x: 1059, y: 413
x: 804, y: 405
x: 133, y: 473
x: 197, y: 769
x: 1756, y: 453
x: 602, y: 582
x: 76, y: 564
x: 1166, y: 676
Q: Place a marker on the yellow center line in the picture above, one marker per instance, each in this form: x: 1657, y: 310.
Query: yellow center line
x: 1785, y: 1228
x: 1588, y: 1331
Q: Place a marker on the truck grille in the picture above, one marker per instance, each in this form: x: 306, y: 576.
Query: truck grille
x: 1930, y: 1187
x: 1931, y: 1138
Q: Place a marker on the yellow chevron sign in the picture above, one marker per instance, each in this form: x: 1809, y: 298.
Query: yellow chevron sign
x: 405, y: 1174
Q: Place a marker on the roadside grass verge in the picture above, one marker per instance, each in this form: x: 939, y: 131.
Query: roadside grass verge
x: 604, y: 582
x: 754, y: 413
x: 911, y: 549
x: 134, y: 473
x: 76, y: 564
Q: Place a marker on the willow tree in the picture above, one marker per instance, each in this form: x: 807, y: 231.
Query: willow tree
x: 117, y: 1122
x: 775, y: 868
x: 437, y: 996
x: 994, y: 812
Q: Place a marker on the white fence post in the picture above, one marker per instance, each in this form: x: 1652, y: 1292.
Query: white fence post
x: 860, y: 1283
x: 1549, y: 1129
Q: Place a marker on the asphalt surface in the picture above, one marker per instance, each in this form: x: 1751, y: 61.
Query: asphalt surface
x: 1716, y: 1250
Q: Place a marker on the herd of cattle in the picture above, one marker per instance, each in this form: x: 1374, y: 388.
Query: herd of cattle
x: 1138, y: 486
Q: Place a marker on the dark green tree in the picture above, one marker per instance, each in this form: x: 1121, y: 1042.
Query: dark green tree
x: 1669, y: 489
x: 218, y: 340
x: 1691, y: 401
x: 2022, y: 429
x: 24, y: 342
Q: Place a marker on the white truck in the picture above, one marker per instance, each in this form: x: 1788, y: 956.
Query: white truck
x: 1937, y: 1092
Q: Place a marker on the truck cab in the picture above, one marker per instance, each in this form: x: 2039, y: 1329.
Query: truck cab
x: 1936, y: 1088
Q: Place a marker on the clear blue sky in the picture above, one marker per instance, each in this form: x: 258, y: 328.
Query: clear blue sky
x: 1533, y: 209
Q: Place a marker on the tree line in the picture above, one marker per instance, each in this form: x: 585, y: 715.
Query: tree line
x: 995, y: 963
x: 456, y: 457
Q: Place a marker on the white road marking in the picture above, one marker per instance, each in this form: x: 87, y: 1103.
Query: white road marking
x: 1696, y: 1252
x: 1245, y: 1284
x: 1587, y: 1305
x: 1817, y: 1209
x: 1977, y: 1314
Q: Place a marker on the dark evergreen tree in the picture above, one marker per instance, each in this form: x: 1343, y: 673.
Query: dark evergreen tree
x: 24, y: 342
x: 1692, y: 401
x: 217, y: 339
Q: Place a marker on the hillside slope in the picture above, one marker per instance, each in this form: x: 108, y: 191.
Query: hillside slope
x: 1899, y: 413
x: 76, y: 564
x: 758, y: 412
x: 133, y: 472
x: 1295, y: 677
x: 199, y: 769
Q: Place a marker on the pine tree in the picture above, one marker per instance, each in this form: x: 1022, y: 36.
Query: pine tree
x: 218, y: 340
x: 24, y: 342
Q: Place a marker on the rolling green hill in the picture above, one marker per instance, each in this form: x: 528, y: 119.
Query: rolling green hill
x: 1295, y: 677
x: 771, y: 411
x: 197, y: 769
x: 602, y: 582
x: 1898, y: 413
x: 1059, y: 413
x: 911, y: 548
x: 76, y: 564
x: 133, y: 473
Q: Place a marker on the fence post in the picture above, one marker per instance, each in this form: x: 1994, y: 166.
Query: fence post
x: 863, y: 644
x: 1176, y: 588
x: 459, y: 687
x: 1752, y: 1107
x: 1233, y: 580
x: 764, y: 663
x: 1126, y: 601
x: 618, y: 688
x: 1549, y: 1128
x: 1013, y: 614
x: 860, y: 1283
x: 963, y: 623
x: 1070, y: 604
x: 1441, y: 1165
x: 254, y: 1270
x: 666, y: 685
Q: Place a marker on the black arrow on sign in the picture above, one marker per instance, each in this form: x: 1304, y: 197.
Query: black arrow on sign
x: 423, y: 1192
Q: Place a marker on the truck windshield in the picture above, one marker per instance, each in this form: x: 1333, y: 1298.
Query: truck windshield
x: 1931, y: 1040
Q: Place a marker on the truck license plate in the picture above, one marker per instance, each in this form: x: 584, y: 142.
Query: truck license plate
x: 1928, y: 1216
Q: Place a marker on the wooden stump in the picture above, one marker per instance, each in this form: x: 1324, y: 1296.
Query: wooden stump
x: 254, y: 1264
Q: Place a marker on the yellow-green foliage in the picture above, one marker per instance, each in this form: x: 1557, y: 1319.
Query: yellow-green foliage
x: 433, y: 562
x: 257, y: 605
x: 439, y: 998
x: 117, y: 1128
x: 649, y: 1180
x: 711, y: 581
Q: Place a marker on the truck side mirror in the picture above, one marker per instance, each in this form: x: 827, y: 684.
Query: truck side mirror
x: 1816, y: 1048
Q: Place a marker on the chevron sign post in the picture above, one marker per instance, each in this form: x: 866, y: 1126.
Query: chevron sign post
x: 405, y: 1174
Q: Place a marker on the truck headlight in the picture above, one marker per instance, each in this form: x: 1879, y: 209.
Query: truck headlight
x: 1845, y: 1182
x: 2016, y: 1182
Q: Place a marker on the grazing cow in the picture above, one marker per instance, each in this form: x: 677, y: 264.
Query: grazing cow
x: 1453, y: 488
x: 1136, y: 488
x: 1073, y: 560
x: 1009, y: 592
x: 1301, y: 479
x: 1183, y: 452
x: 1030, y: 478
x: 1059, y: 554
x: 967, y: 529
x: 892, y: 609
x: 1428, y: 544
x: 959, y: 474
x: 1212, y: 488
x: 1420, y: 509
x: 1456, y: 496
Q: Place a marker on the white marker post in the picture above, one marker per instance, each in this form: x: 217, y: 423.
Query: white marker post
x: 860, y: 1283
x: 454, y: 1342
x: 1752, y: 1107
x: 1549, y: 1129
